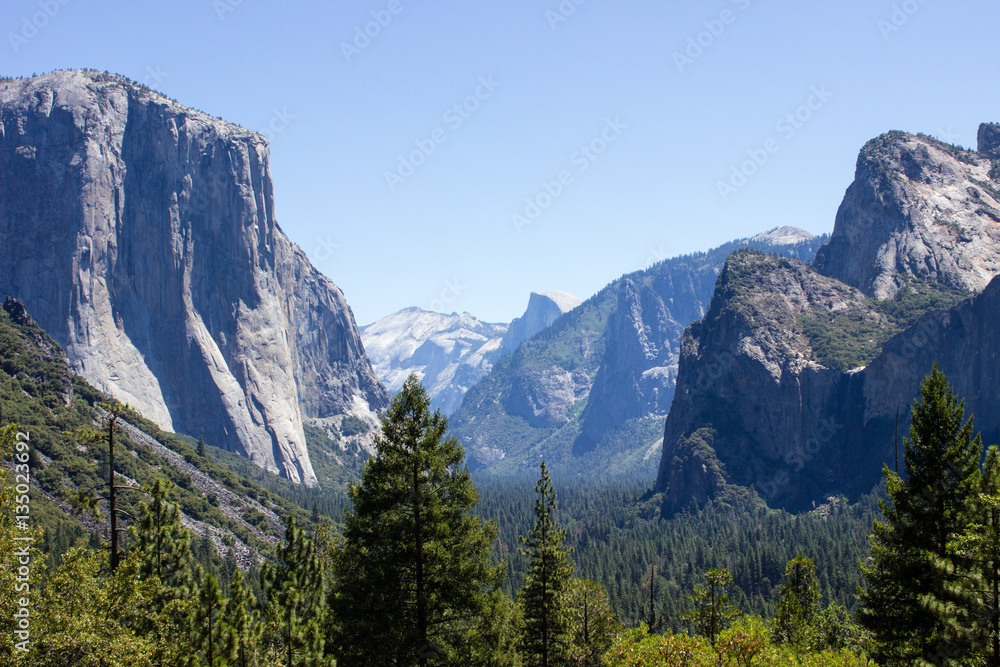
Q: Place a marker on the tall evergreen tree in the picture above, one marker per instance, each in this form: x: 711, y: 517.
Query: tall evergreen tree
x: 242, y: 631
x: 415, y: 580
x: 546, y: 640
x: 650, y: 618
x: 294, y: 591
x: 712, y: 612
x: 908, y: 594
x: 208, y: 620
x: 162, y: 551
x: 162, y: 543
x: 798, y: 603
x: 979, y: 587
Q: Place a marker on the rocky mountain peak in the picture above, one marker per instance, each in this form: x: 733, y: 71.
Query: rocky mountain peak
x: 988, y: 140
x: 543, y: 309
x: 918, y: 209
x: 784, y: 235
x: 449, y: 353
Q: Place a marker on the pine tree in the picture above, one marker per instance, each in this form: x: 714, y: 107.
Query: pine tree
x: 798, y: 603
x: 650, y: 618
x: 208, y: 619
x: 114, y: 412
x: 242, y: 631
x: 712, y: 612
x: 162, y: 543
x: 294, y: 590
x: 546, y: 640
x: 592, y: 624
x: 909, y: 579
x: 162, y: 552
x: 979, y: 586
x: 415, y: 580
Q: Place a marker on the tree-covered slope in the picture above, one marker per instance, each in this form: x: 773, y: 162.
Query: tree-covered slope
x: 243, y: 520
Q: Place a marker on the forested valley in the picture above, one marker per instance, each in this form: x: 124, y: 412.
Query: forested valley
x: 429, y: 566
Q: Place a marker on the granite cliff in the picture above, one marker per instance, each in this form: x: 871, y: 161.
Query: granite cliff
x: 792, y: 381
x: 543, y: 309
x: 142, y: 235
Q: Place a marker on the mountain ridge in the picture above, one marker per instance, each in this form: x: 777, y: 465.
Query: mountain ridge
x: 535, y: 403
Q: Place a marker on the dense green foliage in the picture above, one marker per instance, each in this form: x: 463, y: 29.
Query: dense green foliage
x: 416, y: 511
x: 415, y: 583
x: 798, y: 602
x: 616, y: 533
x: 910, y: 602
x: 852, y: 337
x: 543, y: 597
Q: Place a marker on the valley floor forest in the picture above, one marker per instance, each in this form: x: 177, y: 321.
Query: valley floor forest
x: 415, y: 565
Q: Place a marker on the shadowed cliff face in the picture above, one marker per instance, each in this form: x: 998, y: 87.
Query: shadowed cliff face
x: 799, y: 372
x: 141, y: 234
x: 748, y: 371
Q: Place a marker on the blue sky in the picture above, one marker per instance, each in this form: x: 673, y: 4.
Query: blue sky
x: 589, y: 139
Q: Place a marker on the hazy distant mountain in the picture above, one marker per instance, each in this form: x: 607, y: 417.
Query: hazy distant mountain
x: 543, y: 309
x: 450, y: 353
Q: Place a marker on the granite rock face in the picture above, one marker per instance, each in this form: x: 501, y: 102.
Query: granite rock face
x: 141, y: 234
x: 760, y: 371
x: 543, y: 309
x: 917, y: 209
x: 747, y: 371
